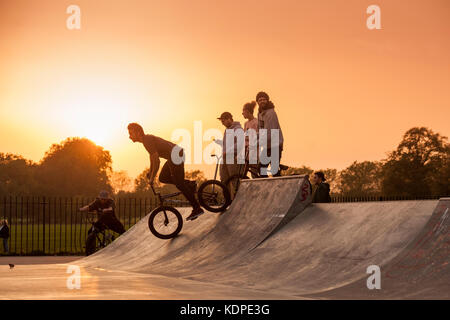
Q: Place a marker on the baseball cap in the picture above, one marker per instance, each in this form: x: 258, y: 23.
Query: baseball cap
x: 225, y: 115
x: 103, y: 194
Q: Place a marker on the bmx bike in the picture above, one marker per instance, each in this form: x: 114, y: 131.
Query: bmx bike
x: 97, y: 237
x: 166, y: 222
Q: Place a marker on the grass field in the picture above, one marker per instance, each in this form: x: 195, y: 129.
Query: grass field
x: 50, y: 239
x: 54, y: 226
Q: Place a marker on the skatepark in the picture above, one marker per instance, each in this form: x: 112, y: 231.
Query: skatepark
x: 271, y: 243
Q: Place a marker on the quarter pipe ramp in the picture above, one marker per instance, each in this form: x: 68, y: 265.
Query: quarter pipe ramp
x: 272, y: 239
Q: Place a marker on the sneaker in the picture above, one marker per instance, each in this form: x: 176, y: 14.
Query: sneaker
x: 195, y: 214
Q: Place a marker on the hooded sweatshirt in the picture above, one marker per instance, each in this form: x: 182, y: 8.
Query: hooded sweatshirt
x: 4, y: 231
x: 322, y: 193
x: 268, y: 119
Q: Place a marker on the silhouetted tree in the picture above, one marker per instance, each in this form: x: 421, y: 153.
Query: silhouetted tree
x: 141, y: 184
x: 17, y: 175
x: 120, y: 181
x: 74, y: 167
x: 300, y: 170
x: 196, y: 175
x: 360, y: 178
x: 419, y: 166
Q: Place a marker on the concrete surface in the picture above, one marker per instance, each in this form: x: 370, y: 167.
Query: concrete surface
x: 44, y: 282
x: 272, y: 246
x: 27, y: 260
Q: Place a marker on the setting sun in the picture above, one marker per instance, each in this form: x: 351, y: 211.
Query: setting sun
x: 95, y: 114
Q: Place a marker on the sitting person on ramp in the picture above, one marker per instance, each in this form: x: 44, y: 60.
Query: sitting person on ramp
x: 322, y: 192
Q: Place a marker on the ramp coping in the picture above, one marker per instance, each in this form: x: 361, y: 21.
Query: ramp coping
x: 306, y: 176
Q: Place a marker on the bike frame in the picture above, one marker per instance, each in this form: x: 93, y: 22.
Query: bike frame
x: 212, y: 193
x: 102, y: 240
x: 217, y: 168
x: 162, y: 198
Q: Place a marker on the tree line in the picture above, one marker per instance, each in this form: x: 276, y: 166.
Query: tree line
x: 419, y: 166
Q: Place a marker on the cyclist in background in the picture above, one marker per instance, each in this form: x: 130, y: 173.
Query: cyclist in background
x: 105, y: 206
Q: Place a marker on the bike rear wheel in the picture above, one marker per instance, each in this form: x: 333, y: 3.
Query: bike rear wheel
x: 214, y: 196
x: 233, y: 183
x: 165, y: 222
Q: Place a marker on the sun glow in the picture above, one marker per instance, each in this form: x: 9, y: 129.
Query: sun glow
x: 96, y: 113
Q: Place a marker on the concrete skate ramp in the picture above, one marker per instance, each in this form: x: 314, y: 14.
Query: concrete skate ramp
x: 265, y: 244
x: 420, y: 271
x: 328, y: 246
x: 261, y: 207
x: 325, y: 252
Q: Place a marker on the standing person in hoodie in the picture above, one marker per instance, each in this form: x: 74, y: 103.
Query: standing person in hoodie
x: 268, y: 119
x: 322, y: 192
x: 231, y: 149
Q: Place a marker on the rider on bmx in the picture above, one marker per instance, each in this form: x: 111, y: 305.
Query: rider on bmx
x: 105, y: 206
x: 173, y: 170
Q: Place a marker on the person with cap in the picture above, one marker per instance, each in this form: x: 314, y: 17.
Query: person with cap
x: 173, y: 170
x: 268, y: 120
x: 230, y: 149
x: 105, y: 206
x: 322, y: 191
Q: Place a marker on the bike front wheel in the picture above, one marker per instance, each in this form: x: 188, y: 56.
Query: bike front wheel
x: 214, y: 196
x: 165, y: 222
x: 91, y: 243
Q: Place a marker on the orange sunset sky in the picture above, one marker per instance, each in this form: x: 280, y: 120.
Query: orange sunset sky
x: 342, y: 92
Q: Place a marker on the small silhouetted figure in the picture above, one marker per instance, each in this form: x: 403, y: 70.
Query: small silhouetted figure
x: 322, y: 192
x: 11, y: 266
x: 4, y: 234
